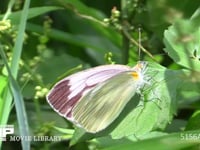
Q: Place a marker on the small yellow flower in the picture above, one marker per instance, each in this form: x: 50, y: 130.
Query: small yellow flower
x: 4, y: 25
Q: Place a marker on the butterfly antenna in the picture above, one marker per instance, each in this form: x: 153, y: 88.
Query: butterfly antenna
x: 139, y: 42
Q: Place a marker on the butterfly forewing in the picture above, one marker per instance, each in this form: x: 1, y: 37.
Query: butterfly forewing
x: 100, y: 107
x: 68, y: 92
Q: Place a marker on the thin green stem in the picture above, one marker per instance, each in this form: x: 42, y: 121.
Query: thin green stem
x: 125, y: 40
x: 137, y: 44
x: 8, y: 12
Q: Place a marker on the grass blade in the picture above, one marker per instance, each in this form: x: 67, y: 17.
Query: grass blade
x: 19, y: 104
x: 6, y: 106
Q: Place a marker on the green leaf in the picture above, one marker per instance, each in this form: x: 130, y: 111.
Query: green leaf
x: 193, y: 122
x: 19, y: 105
x: 82, y: 9
x: 33, y: 12
x: 195, y: 18
x: 79, y: 136
x: 175, y: 141
x: 156, y: 107
x: 182, y: 44
x: 189, y: 88
x: 3, y: 84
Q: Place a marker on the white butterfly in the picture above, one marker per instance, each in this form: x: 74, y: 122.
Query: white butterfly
x: 93, y: 99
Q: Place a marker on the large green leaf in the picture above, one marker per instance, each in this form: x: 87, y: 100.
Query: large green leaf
x: 182, y: 44
x: 156, y: 107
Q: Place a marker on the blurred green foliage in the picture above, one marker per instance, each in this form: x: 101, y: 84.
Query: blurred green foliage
x: 65, y: 36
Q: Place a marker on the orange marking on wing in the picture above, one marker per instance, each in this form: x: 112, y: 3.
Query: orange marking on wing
x: 135, y: 75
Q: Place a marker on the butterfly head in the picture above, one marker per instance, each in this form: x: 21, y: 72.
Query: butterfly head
x: 138, y: 72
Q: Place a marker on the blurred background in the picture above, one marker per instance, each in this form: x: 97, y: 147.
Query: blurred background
x: 64, y: 36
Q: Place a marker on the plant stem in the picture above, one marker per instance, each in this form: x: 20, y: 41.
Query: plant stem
x: 125, y: 40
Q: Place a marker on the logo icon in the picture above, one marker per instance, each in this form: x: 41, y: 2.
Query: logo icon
x: 5, y: 130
